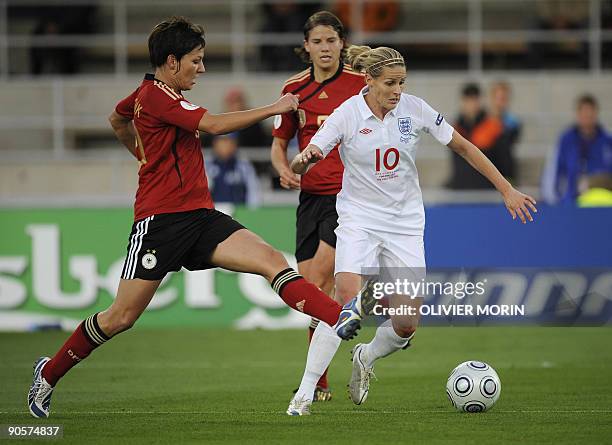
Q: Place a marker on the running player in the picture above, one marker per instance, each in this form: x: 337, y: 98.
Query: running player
x: 380, y: 208
x: 321, y: 88
x: 176, y: 224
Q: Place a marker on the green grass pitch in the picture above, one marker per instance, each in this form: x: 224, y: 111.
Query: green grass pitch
x: 222, y: 386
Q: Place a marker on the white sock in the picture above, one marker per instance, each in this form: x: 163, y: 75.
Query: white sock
x: 384, y: 343
x: 323, y: 346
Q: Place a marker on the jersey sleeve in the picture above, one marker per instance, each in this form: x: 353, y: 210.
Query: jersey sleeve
x: 285, y: 125
x: 331, y: 132
x: 125, y: 108
x: 180, y: 113
x: 435, y: 124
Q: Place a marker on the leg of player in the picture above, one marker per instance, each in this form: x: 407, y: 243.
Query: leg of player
x: 391, y: 336
x: 322, y: 348
x: 319, y: 270
x: 133, y: 296
x: 243, y: 251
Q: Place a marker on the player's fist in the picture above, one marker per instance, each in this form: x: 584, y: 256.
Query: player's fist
x: 288, y: 102
x: 311, y: 155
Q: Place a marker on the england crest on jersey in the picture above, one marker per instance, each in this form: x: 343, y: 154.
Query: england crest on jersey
x: 405, y: 125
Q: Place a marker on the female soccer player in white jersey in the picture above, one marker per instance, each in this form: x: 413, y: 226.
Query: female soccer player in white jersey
x: 380, y: 208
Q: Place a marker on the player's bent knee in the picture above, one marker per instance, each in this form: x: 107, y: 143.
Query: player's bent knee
x: 115, y: 322
x: 277, y: 258
x: 275, y: 263
x: 126, y: 322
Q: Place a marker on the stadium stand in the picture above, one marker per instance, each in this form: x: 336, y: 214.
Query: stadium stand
x: 55, y: 128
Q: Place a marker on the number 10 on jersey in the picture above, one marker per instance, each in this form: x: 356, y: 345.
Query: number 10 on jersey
x: 390, y: 158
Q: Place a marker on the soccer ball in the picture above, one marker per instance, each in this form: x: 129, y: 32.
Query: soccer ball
x: 473, y: 387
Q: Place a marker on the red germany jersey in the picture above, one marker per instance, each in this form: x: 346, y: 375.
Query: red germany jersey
x: 317, y: 102
x: 173, y: 179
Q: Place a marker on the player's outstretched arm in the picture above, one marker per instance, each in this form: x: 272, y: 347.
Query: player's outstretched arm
x: 228, y: 122
x: 278, y: 155
x: 517, y: 203
x: 302, y: 161
x: 126, y: 133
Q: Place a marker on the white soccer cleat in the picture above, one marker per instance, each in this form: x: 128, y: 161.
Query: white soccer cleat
x: 359, y: 385
x: 39, y: 396
x: 299, y: 406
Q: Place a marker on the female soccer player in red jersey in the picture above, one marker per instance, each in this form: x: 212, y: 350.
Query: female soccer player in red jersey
x: 176, y: 224
x: 321, y: 88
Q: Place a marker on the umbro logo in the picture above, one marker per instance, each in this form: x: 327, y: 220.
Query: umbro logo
x: 365, y: 131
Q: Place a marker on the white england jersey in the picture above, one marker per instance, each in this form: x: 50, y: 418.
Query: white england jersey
x: 380, y: 186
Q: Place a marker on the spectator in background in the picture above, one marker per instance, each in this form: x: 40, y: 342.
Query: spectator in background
x: 60, y: 21
x: 376, y: 16
x: 253, y: 136
x: 483, y: 131
x: 283, y: 17
x: 44, y: 60
x: 503, y: 150
x: 231, y: 179
x: 584, y: 149
x: 560, y: 15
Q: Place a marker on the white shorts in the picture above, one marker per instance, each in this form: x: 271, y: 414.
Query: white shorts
x: 391, y: 255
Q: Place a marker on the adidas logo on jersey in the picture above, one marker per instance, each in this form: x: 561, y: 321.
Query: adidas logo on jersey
x: 323, y: 95
x: 300, y: 305
x: 365, y: 131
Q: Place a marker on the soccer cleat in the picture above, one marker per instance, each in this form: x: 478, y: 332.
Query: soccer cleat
x: 39, y: 397
x: 299, y: 406
x: 322, y: 394
x: 349, y: 321
x: 359, y: 385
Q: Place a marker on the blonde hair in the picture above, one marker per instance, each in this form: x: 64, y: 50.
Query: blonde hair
x: 373, y: 60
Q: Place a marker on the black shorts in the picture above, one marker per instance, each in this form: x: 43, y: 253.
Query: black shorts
x: 316, y: 221
x: 166, y: 242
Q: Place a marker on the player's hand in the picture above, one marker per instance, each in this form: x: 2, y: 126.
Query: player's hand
x: 518, y: 204
x: 289, y: 180
x: 288, y: 102
x: 311, y: 155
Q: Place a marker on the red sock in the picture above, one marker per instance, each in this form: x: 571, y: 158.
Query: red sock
x: 87, y: 337
x: 305, y: 297
x: 323, y: 380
